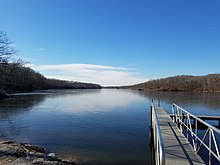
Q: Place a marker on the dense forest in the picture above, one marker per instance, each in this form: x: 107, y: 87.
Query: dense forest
x: 14, y: 76
x: 208, y: 83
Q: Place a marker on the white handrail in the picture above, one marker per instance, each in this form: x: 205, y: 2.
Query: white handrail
x: 183, y: 120
x: 158, y: 141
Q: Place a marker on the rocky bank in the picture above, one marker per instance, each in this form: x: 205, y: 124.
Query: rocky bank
x: 25, y: 154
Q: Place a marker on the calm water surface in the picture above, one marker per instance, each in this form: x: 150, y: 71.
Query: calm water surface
x: 107, y: 126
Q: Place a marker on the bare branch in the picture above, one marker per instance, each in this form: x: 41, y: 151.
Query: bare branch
x: 6, y: 50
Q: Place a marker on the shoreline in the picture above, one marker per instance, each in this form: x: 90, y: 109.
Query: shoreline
x: 27, y: 154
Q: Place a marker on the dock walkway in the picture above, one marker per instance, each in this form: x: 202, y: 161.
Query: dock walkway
x: 177, y: 149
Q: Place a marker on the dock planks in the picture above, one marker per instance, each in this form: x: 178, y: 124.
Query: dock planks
x: 178, y: 151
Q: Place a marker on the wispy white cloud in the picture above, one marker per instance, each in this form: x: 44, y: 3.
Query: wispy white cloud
x: 104, y: 75
x: 80, y: 67
x: 40, y: 49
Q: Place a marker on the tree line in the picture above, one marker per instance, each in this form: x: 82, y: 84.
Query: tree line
x: 15, y: 76
x: 207, y: 83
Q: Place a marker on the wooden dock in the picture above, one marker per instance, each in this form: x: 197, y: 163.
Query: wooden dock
x: 178, y: 151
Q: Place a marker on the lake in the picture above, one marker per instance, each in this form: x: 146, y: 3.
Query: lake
x: 98, y: 126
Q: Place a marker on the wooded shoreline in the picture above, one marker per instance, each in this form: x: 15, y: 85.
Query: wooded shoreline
x: 207, y: 83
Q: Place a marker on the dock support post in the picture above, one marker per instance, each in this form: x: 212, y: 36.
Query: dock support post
x: 158, y: 102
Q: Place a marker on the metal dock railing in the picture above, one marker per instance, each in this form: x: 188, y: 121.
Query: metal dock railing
x: 177, y: 140
x: 188, y: 124
x: 157, y: 136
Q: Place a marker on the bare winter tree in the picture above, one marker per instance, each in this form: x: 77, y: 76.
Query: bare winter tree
x: 6, y: 53
x: 6, y: 50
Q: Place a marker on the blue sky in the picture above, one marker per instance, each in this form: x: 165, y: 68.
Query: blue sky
x: 115, y: 42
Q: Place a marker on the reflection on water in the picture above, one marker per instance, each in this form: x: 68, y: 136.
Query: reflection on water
x: 88, y: 126
x: 209, y: 100
x: 14, y: 108
x: 196, y: 102
x: 107, y: 126
x: 95, y: 101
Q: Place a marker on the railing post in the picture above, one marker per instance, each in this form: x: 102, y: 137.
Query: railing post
x: 210, y: 147
x: 181, y: 119
x: 196, y: 132
x: 173, y: 113
x: 177, y: 114
x: 158, y: 102
x: 187, y: 129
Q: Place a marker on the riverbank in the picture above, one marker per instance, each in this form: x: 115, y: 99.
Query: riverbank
x: 26, y: 154
x: 207, y: 83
